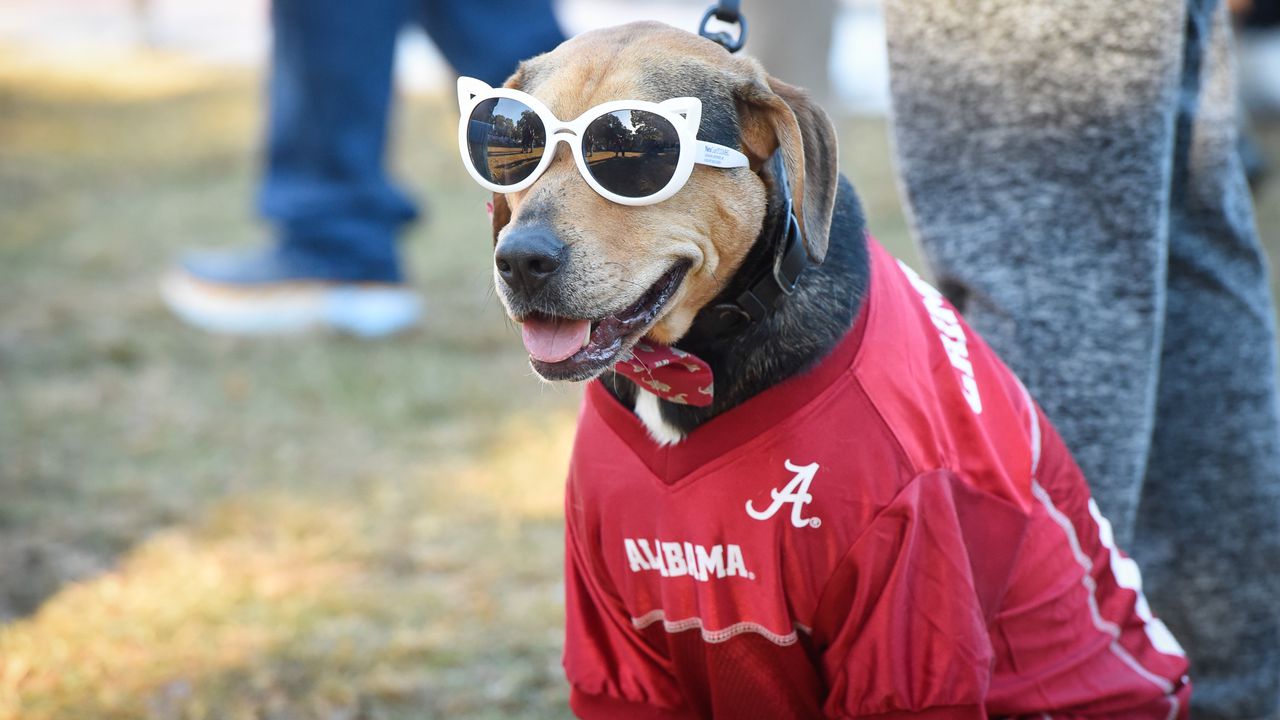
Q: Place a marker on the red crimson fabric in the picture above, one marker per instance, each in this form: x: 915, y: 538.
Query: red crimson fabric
x: 670, y: 373
x: 898, y: 533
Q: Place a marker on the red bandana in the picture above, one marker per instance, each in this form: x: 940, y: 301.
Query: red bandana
x: 671, y: 374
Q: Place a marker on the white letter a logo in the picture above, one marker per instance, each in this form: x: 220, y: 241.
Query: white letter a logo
x: 796, y: 492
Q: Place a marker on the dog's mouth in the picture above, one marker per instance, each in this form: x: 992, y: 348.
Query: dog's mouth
x: 563, y: 348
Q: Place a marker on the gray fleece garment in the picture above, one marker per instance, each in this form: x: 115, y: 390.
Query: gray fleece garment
x: 1071, y: 172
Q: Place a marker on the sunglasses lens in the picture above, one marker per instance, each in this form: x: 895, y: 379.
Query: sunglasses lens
x: 632, y: 153
x: 505, y: 139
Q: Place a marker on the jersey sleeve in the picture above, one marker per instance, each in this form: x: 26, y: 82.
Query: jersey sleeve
x: 1075, y: 630
x: 903, y: 623
x: 613, y: 674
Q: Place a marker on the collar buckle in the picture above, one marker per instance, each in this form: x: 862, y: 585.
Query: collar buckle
x: 790, y: 259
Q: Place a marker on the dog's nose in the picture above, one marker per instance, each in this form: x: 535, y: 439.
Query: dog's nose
x: 528, y: 257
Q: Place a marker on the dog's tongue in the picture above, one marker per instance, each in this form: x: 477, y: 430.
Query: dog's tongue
x: 553, y: 340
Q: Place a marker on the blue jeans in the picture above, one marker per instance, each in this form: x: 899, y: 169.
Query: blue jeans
x: 325, y: 187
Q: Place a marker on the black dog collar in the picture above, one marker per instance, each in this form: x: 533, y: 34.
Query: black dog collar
x: 776, y: 281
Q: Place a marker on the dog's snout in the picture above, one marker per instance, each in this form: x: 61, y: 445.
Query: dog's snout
x: 528, y: 257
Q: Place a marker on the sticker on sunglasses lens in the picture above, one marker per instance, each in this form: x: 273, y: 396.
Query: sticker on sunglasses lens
x: 632, y: 153
x: 506, y: 140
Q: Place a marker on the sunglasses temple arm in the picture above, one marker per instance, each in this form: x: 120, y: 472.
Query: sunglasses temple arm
x: 719, y: 156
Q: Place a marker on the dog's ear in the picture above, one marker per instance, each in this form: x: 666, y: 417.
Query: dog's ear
x: 501, y: 215
x: 774, y: 114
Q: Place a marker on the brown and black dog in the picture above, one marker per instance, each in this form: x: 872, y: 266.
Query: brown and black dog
x: 610, y: 256
x: 941, y: 556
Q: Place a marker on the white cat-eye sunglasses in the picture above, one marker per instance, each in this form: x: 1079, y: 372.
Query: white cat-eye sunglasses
x: 632, y: 152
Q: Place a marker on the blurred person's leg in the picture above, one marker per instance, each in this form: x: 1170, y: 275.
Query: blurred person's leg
x: 486, y: 40
x: 1037, y: 147
x: 335, y: 259
x: 326, y: 188
x: 335, y: 214
x: 1035, y: 141
x: 1208, y: 526
x: 793, y: 40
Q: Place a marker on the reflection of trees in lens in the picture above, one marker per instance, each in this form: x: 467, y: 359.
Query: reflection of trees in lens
x: 530, y: 131
x: 632, y: 152
x: 607, y: 133
x: 652, y: 131
x: 629, y: 131
x: 506, y: 148
x: 503, y: 128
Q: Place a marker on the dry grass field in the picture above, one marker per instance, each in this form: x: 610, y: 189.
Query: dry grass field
x: 201, y: 527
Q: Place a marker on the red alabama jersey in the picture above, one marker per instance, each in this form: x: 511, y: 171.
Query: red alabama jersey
x: 897, y: 533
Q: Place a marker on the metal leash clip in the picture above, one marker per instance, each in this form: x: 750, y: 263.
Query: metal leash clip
x: 726, y: 11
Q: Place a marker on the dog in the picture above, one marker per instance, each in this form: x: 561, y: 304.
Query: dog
x: 802, y: 486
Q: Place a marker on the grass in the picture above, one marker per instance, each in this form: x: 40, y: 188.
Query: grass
x: 201, y: 527
x: 195, y: 526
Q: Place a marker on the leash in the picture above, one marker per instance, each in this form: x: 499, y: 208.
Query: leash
x: 726, y: 11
